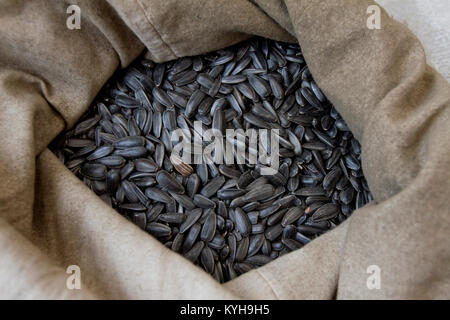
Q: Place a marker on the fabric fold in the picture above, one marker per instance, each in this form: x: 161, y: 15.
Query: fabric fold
x: 397, y: 106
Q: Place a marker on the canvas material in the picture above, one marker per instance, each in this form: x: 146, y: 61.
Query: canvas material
x: 395, y: 104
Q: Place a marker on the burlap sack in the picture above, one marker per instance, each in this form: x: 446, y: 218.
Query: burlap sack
x: 395, y: 104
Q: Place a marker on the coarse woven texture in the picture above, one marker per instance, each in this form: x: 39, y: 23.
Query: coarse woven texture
x: 395, y: 104
x: 430, y: 22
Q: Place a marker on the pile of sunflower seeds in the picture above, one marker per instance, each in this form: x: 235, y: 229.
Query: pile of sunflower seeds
x: 228, y: 219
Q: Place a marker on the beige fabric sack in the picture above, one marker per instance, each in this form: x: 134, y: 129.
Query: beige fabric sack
x: 396, y: 105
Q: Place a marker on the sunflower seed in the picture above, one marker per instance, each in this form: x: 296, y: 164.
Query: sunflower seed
x: 211, y: 187
x: 326, y: 212
x: 209, y: 227
x: 203, y: 202
x: 180, y: 166
x: 167, y: 181
x: 194, y: 253
x: 291, y: 215
x: 226, y: 218
x: 191, y: 236
x: 207, y: 259
x: 184, y: 200
x: 158, y: 229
